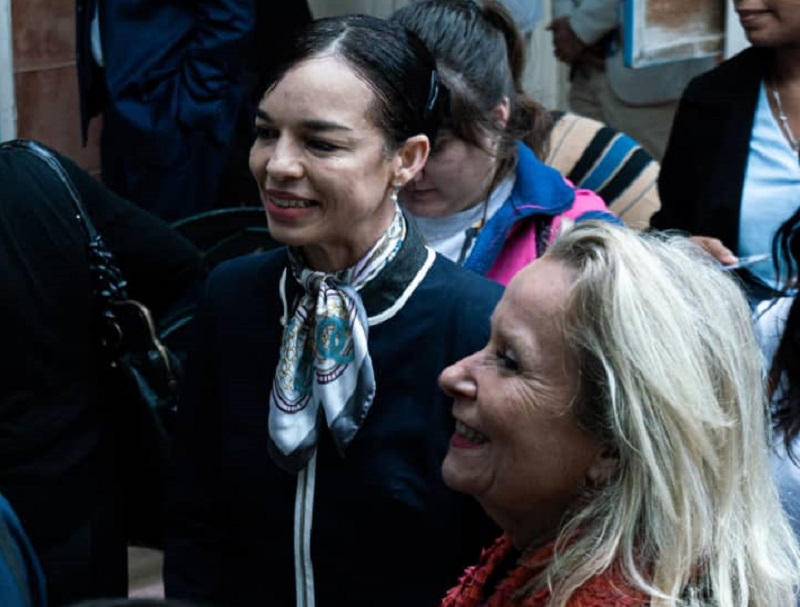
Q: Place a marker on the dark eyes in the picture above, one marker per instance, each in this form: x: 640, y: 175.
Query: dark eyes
x: 506, y: 360
x: 266, y: 133
x: 322, y: 146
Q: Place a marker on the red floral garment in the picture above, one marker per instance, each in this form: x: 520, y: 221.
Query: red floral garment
x: 605, y: 590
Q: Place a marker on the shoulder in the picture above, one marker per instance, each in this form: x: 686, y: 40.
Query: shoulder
x: 457, y: 285
x: 608, y: 588
x: 618, y: 169
x: 461, y: 300
x: 21, y: 578
x: 240, y: 277
x: 738, y: 75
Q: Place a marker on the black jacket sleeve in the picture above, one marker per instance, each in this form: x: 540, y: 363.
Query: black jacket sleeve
x: 678, y: 180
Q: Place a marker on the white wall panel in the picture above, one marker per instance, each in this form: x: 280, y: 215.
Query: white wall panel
x: 8, y: 108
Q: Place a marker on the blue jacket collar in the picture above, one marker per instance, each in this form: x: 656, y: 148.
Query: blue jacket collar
x: 538, y: 190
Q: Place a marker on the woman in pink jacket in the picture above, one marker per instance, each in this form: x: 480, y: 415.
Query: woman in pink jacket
x: 484, y: 199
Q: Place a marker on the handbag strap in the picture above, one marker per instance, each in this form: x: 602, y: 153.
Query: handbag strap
x: 109, y: 283
x: 52, y: 161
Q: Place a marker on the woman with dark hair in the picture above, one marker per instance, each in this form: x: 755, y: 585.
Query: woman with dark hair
x: 311, y: 433
x: 730, y: 175
x: 485, y: 199
x: 778, y: 329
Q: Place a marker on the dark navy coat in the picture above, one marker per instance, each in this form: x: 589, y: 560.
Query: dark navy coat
x: 384, y: 529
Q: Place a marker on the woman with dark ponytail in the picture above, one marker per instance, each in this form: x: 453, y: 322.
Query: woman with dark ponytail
x: 309, y: 441
x: 485, y: 197
x: 778, y: 328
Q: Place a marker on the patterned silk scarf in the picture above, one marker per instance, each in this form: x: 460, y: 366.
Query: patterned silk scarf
x: 324, y: 367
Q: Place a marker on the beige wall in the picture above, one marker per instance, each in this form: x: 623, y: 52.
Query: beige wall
x: 45, y: 78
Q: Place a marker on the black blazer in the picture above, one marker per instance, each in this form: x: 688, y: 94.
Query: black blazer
x: 57, y: 466
x: 702, y: 174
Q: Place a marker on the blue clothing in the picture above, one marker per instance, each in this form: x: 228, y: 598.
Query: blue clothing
x: 376, y: 526
x: 171, y: 91
x: 178, y: 93
x: 539, y: 197
x: 21, y: 577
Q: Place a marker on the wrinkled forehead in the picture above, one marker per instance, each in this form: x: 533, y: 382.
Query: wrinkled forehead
x: 534, y: 304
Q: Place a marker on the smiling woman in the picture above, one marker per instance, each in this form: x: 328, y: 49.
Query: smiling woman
x: 312, y: 429
x: 614, y: 427
x: 731, y: 171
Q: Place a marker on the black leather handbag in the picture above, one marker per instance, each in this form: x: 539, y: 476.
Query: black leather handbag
x: 140, y: 375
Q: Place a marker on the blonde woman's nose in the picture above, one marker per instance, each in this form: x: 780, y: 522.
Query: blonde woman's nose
x: 457, y: 380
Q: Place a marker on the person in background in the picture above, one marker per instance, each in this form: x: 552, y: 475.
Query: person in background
x: 777, y: 324
x: 640, y: 102
x: 57, y: 468
x: 483, y: 199
x: 312, y: 429
x: 596, y: 157
x: 731, y: 173
x: 21, y: 578
x: 622, y: 474
x: 526, y: 14
x: 176, y: 85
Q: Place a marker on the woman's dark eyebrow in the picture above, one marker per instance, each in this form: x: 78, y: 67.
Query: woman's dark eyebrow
x: 311, y: 125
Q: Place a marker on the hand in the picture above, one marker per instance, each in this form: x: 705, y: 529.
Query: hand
x: 567, y: 47
x: 715, y: 248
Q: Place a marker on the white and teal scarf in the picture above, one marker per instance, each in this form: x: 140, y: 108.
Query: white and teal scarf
x: 324, y: 367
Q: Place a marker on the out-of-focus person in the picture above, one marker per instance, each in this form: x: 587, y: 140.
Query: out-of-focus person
x: 312, y: 428
x: 594, y: 156
x: 638, y: 101
x: 175, y: 84
x: 777, y: 324
x: 731, y: 173
x: 21, y: 578
x: 57, y: 468
x: 483, y: 198
x: 615, y: 427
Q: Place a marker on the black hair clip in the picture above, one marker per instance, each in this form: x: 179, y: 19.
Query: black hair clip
x: 435, y: 91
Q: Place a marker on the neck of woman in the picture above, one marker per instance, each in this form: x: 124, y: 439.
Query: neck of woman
x: 783, y: 84
x: 786, y: 67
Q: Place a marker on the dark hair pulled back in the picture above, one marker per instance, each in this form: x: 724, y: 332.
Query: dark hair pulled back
x: 480, y: 54
x: 409, y: 96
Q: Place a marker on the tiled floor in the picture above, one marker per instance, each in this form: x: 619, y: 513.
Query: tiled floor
x: 144, y: 573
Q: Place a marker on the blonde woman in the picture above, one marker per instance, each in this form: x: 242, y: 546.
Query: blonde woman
x: 614, y: 427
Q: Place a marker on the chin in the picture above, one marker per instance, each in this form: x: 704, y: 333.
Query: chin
x: 419, y: 207
x: 458, y: 476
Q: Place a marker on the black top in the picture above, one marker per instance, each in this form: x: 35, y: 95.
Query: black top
x: 702, y: 174
x: 54, y: 466
x: 384, y: 529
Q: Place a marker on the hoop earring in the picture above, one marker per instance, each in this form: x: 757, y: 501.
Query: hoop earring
x: 395, y: 191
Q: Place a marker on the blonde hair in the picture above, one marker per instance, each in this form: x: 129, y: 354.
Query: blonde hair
x: 671, y: 381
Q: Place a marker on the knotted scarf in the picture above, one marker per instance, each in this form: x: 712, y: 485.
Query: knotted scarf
x: 324, y: 368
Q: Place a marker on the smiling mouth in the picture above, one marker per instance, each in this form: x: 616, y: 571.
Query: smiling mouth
x: 292, y: 203
x: 470, y: 434
x: 751, y: 13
